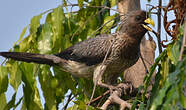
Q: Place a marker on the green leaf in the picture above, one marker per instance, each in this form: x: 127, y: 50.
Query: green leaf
x: 65, y: 80
x: 113, y: 2
x: 28, y: 75
x: 171, y: 95
x: 182, y: 83
x: 34, y: 25
x: 15, y: 74
x: 49, y: 93
x: 165, y: 69
x: 21, y: 36
x: 148, y: 77
x: 155, y: 90
x: 141, y: 106
x: 30, y: 40
x: 45, y: 39
x: 24, y: 44
x: 80, y: 3
x: 108, y: 23
x: 93, y: 23
x: 74, y: 107
x: 173, y: 52
x: 64, y: 3
x: 168, y: 87
x: 56, y: 19
x: 81, y: 104
x: 2, y: 101
x: 3, y: 79
x: 31, y: 93
x: 23, y: 106
x: 54, y: 83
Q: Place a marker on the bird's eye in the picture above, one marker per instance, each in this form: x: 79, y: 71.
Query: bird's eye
x: 138, y: 18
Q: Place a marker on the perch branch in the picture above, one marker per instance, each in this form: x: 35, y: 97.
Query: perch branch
x: 115, y: 97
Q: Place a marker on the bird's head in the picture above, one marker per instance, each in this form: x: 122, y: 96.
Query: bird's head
x: 135, y: 23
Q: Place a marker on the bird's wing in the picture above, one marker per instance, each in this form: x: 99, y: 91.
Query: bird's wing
x: 91, y: 51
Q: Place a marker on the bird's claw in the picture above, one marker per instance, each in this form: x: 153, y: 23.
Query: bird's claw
x: 126, y: 87
x: 112, y: 88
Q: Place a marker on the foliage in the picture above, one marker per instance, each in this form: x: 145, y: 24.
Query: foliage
x: 60, y: 30
x: 168, y: 92
x: 63, y: 28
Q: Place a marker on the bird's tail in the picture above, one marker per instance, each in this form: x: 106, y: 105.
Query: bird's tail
x: 33, y: 57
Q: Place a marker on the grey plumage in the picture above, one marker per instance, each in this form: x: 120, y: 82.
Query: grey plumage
x: 84, y: 57
x: 32, y: 57
x: 88, y: 51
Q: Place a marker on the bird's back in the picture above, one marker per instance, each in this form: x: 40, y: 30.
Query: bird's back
x: 90, y: 52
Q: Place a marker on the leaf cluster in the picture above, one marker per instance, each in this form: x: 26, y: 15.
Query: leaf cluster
x: 168, y: 91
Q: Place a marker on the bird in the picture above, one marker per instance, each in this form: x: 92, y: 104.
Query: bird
x: 104, y: 56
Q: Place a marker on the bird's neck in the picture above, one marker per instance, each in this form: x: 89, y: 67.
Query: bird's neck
x: 131, y: 46
x: 137, y: 36
x: 135, y: 32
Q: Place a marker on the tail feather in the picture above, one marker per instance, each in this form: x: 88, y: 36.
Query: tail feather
x: 33, y: 57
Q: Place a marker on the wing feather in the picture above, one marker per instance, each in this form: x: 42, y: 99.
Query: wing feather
x: 91, y: 51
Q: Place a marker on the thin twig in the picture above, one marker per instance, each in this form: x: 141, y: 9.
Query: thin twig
x: 158, y: 39
x: 99, y: 97
x: 86, y: 23
x: 114, y: 25
x: 68, y: 101
x: 103, y: 25
x: 159, y: 26
x: 146, y: 69
x: 3, y: 62
x: 103, y: 7
x: 184, y: 41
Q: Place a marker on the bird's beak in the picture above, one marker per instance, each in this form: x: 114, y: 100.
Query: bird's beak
x: 148, y: 21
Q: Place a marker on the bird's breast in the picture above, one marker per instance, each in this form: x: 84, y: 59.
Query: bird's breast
x: 125, y: 53
x: 78, y: 69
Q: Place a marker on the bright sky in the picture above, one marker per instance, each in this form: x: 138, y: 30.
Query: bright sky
x: 16, y: 14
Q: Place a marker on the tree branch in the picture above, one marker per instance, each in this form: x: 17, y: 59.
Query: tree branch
x: 68, y: 101
x: 115, y: 97
x: 159, y: 26
x: 103, y: 7
x: 184, y: 39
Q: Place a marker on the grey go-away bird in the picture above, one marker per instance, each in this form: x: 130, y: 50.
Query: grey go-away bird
x: 85, y: 59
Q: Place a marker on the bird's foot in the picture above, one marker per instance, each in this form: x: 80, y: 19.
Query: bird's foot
x: 127, y: 87
x: 110, y: 87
